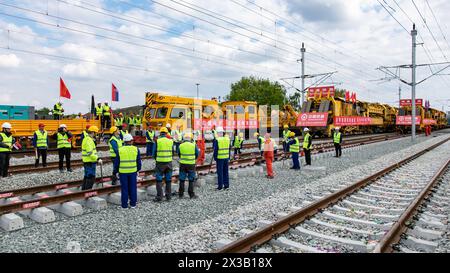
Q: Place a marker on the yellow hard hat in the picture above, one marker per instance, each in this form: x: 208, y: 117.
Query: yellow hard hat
x: 93, y: 129
x: 292, y: 134
x: 256, y: 134
x: 163, y: 130
x: 113, y: 129
x: 286, y: 126
x: 241, y: 134
x: 188, y: 135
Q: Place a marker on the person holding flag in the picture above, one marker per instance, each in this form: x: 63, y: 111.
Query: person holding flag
x: 63, y: 92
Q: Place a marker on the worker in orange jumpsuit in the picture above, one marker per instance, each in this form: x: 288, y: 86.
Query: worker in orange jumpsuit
x: 201, y: 146
x: 269, y: 147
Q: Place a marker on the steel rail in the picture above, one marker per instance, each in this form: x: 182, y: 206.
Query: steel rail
x: 263, y: 235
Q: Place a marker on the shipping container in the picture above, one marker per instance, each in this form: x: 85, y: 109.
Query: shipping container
x: 15, y: 112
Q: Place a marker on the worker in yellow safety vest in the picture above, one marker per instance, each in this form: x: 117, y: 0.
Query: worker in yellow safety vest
x: 106, y: 114
x: 64, y: 145
x: 149, y: 139
x: 286, y: 133
x: 114, y: 145
x: 294, y: 149
x: 163, y: 155
x: 188, y: 154
x: 58, y: 111
x: 99, y: 112
x: 307, y: 141
x: 337, y: 140
x: 237, y: 144
x: 40, y: 144
x: 222, y: 147
x: 6, y: 143
x: 90, y: 158
x: 129, y: 164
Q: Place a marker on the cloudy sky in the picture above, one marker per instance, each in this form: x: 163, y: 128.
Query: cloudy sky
x: 170, y: 45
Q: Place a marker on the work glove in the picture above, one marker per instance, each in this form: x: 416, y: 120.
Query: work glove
x: 100, y: 162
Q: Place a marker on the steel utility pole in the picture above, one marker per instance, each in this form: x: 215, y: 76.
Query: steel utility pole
x: 399, y: 95
x: 413, y: 83
x: 197, y: 88
x: 303, y: 50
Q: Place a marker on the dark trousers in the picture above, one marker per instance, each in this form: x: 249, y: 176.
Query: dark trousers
x: 222, y: 173
x: 43, y: 153
x: 308, y: 156
x: 115, y: 166
x: 163, y: 170
x: 64, y: 152
x: 149, y: 150
x: 337, y: 147
x: 56, y: 117
x: 237, y: 151
x: 106, y: 121
x: 176, y: 147
x: 128, y: 187
x: 186, y: 171
x: 285, y: 149
x: 295, y: 161
x: 89, y: 176
x: 4, y: 163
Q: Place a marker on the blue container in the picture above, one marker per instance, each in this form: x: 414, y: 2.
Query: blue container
x: 16, y: 112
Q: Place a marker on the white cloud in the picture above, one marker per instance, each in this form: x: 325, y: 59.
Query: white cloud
x: 9, y: 60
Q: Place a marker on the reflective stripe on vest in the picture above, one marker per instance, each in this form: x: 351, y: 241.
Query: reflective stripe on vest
x: 128, y: 159
x: 286, y: 134
x: 63, y: 141
x: 238, y: 142
x: 99, y: 110
x: 41, y: 140
x: 164, y: 150
x: 88, y: 150
x: 306, y: 141
x: 151, y: 134
x: 138, y: 121
x: 224, y: 148
x: 119, y: 144
x: 295, y: 148
x: 57, y: 110
x: 187, y: 153
x: 8, y: 141
x: 337, y: 137
x: 131, y: 121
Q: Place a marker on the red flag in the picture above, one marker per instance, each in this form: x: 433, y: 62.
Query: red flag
x: 347, y: 96
x: 63, y: 91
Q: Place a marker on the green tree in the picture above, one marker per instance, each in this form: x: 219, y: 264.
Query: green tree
x: 341, y: 93
x: 263, y: 91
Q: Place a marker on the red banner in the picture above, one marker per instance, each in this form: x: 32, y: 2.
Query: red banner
x: 406, y: 120
x: 351, y: 120
x: 207, y: 124
x: 321, y: 91
x: 407, y: 102
x: 312, y: 119
x: 429, y: 121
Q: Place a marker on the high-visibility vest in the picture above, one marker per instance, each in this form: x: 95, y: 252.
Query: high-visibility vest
x: 85, y: 134
x: 63, y: 141
x: 261, y: 139
x: 306, y: 140
x: 224, y: 147
x: 286, y: 134
x: 57, y: 110
x: 150, y: 134
x: 337, y: 137
x: 164, y: 150
x: 41, y: 141
x: 295, y: 148
x: 128, y: 159
x: 99, y: 110
x: 106, y: 109
x: 88, y: 150
x: 8, y: 141
x: 119, y: 121
x: 187, y: 153
x: 131, y: 120
x: 238, y: 142
x: 119, y: 144
x: 137, y: 121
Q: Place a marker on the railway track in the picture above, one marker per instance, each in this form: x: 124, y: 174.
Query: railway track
x: 77, y: 163
x: 61, y: 194
x: 370, y: 215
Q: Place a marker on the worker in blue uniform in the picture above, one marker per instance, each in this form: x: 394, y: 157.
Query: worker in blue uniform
x: 294, y: 149
x: 222, y: 149
x: 149, y: 139
x: 123, y: 131
x: 188, y: 153
x: 129, y: 164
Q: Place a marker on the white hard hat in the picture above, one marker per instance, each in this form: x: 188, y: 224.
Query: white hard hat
x: 63, y: 126
x: 337, y: 128
x: 6, y: 125
x: 219, y: 130
x: 168, y: 125
x: 305, y: 130
x: 127, y: 138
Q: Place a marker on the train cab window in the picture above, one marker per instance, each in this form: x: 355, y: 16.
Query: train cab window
x: 251, y: 109
x: 162, y: 112
x: 208, y: 110
x: 151, y: 113
x: 196, y: 113
x: 239, y: 110
x: 178, y: 113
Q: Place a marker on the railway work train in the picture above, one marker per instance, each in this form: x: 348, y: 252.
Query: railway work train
x: 322, y: 112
